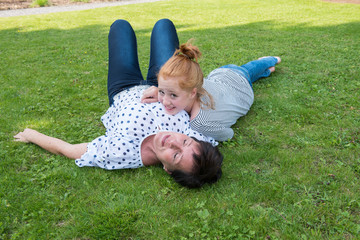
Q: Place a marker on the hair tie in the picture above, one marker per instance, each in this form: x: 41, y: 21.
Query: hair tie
x: 180, y: 53
x: 186, y: 56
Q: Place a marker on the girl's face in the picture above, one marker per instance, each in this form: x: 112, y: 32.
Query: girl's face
x: 173, y: 97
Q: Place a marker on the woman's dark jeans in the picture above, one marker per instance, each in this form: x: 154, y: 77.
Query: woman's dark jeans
x: 124, y: 70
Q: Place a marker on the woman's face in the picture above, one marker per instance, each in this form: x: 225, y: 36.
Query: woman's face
x: 175, y: 151
x: 173, y: 97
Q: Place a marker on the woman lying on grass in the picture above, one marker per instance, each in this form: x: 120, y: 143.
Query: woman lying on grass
x: 139, y: 134
x: 214, y: 104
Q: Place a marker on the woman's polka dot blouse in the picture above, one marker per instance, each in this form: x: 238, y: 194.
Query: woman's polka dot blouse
x: 128, y: 122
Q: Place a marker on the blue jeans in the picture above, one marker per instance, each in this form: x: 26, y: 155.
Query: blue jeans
x: 124, y: 70
x: 254, y: 70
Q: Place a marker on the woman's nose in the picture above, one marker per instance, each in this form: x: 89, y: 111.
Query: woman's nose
x: 175, y: 145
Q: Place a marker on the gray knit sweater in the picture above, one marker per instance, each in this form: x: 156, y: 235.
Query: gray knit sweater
x: 233, y: 97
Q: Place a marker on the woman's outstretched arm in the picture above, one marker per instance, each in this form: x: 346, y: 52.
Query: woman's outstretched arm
x: 54, y: 145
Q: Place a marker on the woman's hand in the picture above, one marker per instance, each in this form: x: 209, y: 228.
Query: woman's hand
x: 150, y: 95
x: 24, y: 136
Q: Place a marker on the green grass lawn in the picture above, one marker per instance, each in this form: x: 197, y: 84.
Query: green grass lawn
x: 291, y: 171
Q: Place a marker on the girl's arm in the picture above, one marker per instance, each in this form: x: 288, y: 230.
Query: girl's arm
x: 150, y: 95
x: 54, y: 145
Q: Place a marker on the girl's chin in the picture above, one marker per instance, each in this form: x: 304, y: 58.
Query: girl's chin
x: 172, y: 111
x: 169, y: 110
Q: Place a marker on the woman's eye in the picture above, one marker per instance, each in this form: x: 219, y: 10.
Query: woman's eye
x: 161, y: 92
x: 175, y: 155
x: 173, y: 95
x: 184, y: 141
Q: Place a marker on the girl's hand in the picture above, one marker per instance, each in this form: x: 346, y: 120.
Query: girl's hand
x: 150, y: 95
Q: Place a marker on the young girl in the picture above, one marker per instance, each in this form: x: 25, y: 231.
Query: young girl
x: 214, y: 104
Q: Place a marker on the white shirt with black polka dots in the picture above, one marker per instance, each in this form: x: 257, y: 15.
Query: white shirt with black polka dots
x: 128, y: 122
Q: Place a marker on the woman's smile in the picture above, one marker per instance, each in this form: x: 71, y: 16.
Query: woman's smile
x: 164, y: 140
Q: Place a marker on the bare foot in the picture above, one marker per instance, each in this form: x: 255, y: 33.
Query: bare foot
x: 278, y: 59
x: 272, y: 69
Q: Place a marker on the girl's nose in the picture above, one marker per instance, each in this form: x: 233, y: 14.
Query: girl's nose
x: 166, y: 100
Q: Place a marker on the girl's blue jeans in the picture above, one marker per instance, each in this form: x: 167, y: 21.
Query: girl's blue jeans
x: 124, y: 70
x: 254, y: 70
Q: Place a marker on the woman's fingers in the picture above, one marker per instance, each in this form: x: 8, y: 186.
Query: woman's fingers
x: 20, y: 137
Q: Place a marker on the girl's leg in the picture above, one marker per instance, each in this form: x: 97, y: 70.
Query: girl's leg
x: 257, y: 69
x: 124, y: 70
x: 164, y: 42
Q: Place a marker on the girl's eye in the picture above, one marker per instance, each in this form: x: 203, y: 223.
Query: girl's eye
x: 184, y: 141
x: 173, y: 95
